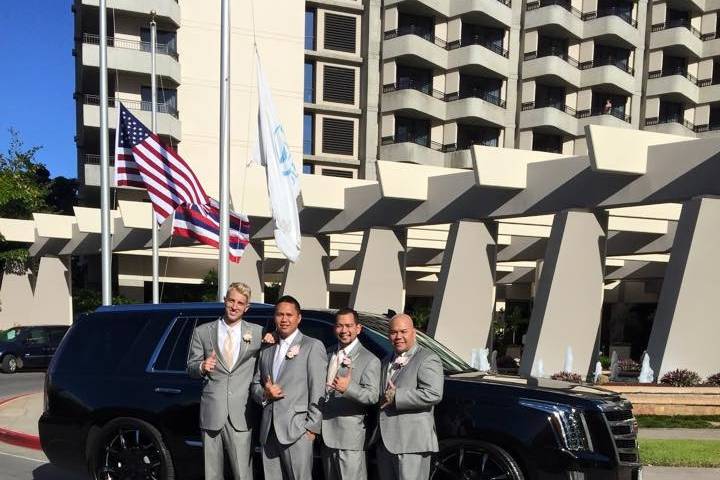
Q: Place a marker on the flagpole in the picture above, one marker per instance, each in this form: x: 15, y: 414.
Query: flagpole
x: 105, y: 246
x: 224, y: 147
x: 153, y: 127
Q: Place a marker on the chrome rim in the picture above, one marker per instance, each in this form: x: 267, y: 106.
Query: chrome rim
x: 467, y: 462
x: 12, y: 364
x: 130, y: 454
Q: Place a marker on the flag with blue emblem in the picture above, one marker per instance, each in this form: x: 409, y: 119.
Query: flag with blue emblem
x: 282, y: 178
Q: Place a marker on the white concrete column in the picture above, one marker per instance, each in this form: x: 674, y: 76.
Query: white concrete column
x: 52, y: 302
x: 15, y: 297
x: 464, y: 300
x: 569, y: 294
x: 309, y: 277
x: 686, y: 329
x: 250, y: 270
x: 379, y: 282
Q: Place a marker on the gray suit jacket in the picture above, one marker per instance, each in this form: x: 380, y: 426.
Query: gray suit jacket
x: 227, y: 388
x: 408, y: 425
x: 343, y: 423
x: 302, y: 379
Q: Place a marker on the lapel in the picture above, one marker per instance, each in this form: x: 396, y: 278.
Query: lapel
x: 214, y: 336
x: 398, y: 374
x: 243, y: 344
x: 385, y: 365
x: 297, y: 341
x: 354, y: 355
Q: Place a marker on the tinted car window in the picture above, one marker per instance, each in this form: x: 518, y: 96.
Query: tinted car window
x: 173, y: 353
x: 37, y: 336
x: 320, y: 330
x: 56, y: 335
x: 99, y: 343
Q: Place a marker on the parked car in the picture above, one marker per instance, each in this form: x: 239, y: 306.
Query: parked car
x: 29, y: 347
x: 119, y: 403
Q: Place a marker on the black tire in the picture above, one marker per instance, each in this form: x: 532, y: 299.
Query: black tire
x: 473, y: 460
x: 10, y: 364
x: 130, y: 448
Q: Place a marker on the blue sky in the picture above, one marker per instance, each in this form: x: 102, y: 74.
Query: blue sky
x: 36, y: 86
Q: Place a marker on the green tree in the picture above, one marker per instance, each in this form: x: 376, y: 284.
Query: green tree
x: 87, y: 300
x: 210, y: 283
x: 23, y: 190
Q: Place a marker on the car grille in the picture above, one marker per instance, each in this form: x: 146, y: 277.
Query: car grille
x: 623, y: 427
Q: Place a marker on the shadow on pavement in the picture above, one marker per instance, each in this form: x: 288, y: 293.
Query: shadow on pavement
x: 51, y: 472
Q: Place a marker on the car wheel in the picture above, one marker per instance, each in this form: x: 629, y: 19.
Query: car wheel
x: 128, y: 448
x: 474, y: 460
x: 9, y: 364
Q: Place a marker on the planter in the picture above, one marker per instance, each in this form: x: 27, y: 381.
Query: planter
x: 655, y: 399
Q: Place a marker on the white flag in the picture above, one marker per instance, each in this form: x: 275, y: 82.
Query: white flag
x: 282, y: 178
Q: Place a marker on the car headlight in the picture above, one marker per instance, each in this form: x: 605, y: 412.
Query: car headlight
x: 569, y: 423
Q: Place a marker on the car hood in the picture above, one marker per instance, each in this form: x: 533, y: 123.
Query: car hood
x: 545, y: 385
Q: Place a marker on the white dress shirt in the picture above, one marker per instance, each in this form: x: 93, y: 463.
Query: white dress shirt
x: 280, y: 351
x: 236, y: 332
x: 337, y: 359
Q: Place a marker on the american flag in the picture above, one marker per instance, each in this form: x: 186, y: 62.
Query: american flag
x: 202, y: 223
x: 141, y: 160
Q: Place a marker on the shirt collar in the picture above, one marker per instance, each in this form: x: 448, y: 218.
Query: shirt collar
x: 225, y: 327
x: 290, y: 338
x: 407, y: 353
x: 350, y: 347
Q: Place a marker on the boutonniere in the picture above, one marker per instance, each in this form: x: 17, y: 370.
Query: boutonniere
x: 347, y: 362
x: 294, y: 350
x: 247, y: 337
x: 400, y: 362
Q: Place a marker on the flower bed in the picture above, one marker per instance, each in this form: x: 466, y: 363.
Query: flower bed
x: 654, y: 399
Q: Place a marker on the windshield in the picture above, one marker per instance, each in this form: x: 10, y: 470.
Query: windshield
x: 10, y: 335
x: 378, y: 325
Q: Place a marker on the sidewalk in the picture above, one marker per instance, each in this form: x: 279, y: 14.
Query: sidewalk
x: 680, y: 433
x: 19, y: 420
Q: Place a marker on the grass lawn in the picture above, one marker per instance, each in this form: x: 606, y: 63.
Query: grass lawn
x: 677, y: 421
x: 680, y: 453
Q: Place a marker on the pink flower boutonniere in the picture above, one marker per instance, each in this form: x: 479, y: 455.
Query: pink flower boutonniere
x: 247, y: 337
x: 400, y: 362
x: 294, y: 350
x: 347, y: 362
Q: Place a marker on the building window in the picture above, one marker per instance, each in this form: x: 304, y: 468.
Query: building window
x: 310, y: 29
x: 309, y: 96
x: 166, y: 99
x: 469, y: 135
x: 340, y: 32
x: 308, y: 134
x: 547, y: 143
x: 338, y: 136
x: 413, y: 130
x: 339, y: 84
x: 166, y: 41
x: 308, y: 168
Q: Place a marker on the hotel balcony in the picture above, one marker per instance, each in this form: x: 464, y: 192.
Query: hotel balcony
x: 567, y: 120
x: 167, y: 118
x: 164, y: 8
x: 677, y: 33
x: 672, y: 124
x: 558, y: 65
x: 131, y: 56
x: 676, y: 83
x: 497, y: 9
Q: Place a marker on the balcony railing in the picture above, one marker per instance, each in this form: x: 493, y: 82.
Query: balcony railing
x: 132, y: 104
x: 707, y: 127
x: 419, y: 140
x: 553, y: 53
x: 427, y: 89
x: 600, y: 62
x: 671, y: 119
x: 162, y: 49
x: 566, y: 4
x: 467, y: 144
x: 430, y: 37
x: 678, y: 22
x: 563, y: 108
x: 610, y: 12
x: 596, y: 112
x: 676, y: 71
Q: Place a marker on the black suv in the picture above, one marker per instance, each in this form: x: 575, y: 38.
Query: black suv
x: 29, y: 347
x: 119, y: 404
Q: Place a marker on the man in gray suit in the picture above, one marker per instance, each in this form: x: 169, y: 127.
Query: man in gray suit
x: 223, y: 353
x: 412, y: 379
x: 353, y: 384
x: 290, y: 383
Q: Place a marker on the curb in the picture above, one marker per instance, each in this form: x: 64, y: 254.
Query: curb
x: 18, y: 439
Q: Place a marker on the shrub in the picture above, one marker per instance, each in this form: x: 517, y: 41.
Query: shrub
x: 628, y: 365
x: 713, y: 380
x: 681, y: 378
x: 604, y: 361
x: 567, y: 377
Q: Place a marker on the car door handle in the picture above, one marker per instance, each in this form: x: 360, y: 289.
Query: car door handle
x: 170, y: 391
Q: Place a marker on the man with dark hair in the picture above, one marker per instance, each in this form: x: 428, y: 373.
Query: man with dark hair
x: 353, y: 380
x: 289, y: 384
